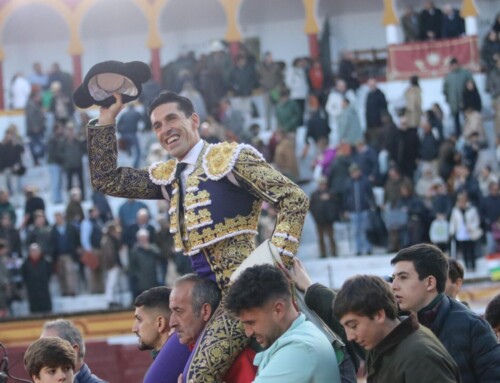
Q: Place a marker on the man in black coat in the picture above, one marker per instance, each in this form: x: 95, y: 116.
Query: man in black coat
x: 419, y: 281
x: 431, y: 19
x: 376, y: 106
x: 36, y: 272
x: 453, y: 24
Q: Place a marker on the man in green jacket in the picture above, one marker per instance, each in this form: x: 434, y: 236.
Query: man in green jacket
x: 453, y: 89
x: 398, y: 350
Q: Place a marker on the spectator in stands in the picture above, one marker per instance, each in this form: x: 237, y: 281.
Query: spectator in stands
x: 316, y: 80
x: 6, y: 206
x: 324, y: 212
x: 66, y: 330
x: 334, y: 106
x: 419, y: 282
x: 490, y: 50
x: 485, y: 178
x: 455, y: 279
x: 165, y: 242
x: 492, y: 315
x: 232, y: 119
x: 143, y: 260
x: 128, y: 125
x: 429, y: 144
x: 411, y: 25
x: 441, y: 201
x: 152, y: 327
x: 100, y: 201
x: 431, y: 20
x: 376, y: 106
x: 493, y: 88
x: 465, y: 229
x: 284, y: 158
x: 436, y: 123
x: 338, y: 173
x: 426, y: 182
x: 65, y: 79
x: 439, y: 232
x: 127, y: 212
x: 288, y: 113
x: 453, y: 25
x: 20, y: 90
x: 33, y: 203
x: 408, y: 146
x: 496, y: 23
x: 61, y: 105
x: 36, y: 272
x: 446, y: 157
x: 74, y: 209
x: 11, y: 152
x: 90, y: 237
x: 72, y: 152
x: 5, y: 287
x: 270, y: 79
x: 413, y: 103
x: 111, y: 263
x: 141, y: 222
x: 472, y: 107
x: 189, y: 90
x: 416, y: 217
x: 490, y: 213
x: 243, y: 81
x: 347, y: 71
x: 358, y: 199
x: 261, y: 299
x: 35, y: 126
x: 349, y: 126
x: 41, y: 233
x: 397, y: 349
x: 453, y: 89
x: 50, y: 360
x: 54, y: 160
x: 465, y: 181
x: 11, y: 235
x: 296, y: 81
x: 367, y: 159
x: 66, y: 242
x: 37, y: 78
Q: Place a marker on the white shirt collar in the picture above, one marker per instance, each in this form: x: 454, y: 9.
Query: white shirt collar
x: 192, y: 156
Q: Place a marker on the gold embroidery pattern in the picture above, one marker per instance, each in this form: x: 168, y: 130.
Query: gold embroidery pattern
x: 219, y: 159
x: 162, y: 173
x: 106, y: 177
x: 272, y: 186
x: 202, y: 197
x: 220, y: 343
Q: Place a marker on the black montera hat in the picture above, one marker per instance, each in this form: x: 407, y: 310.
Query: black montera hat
x: 108, y: 77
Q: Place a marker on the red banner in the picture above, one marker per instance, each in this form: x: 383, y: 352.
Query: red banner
x: 431, y: 58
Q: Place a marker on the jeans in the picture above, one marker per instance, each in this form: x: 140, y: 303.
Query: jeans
x: 55, y: 174
x: 359, y: 221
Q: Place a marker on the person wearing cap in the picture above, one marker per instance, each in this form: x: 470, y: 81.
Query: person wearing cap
x: 358, y: 198
x: 215, y: 194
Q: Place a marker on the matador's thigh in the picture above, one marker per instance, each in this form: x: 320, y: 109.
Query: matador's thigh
x: 218, y: 346
x: 223, y: 338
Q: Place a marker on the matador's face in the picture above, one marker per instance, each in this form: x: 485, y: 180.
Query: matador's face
x: 176, y: 132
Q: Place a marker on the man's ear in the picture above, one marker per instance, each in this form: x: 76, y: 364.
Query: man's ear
x: 195, y: 120
x: 279, y: 308
x: 431, y: 283
x: 206, y: 312
x: 162, y: 324
x: 379, y: 316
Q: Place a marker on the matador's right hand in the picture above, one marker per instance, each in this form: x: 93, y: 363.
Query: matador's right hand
x: 107, y: 116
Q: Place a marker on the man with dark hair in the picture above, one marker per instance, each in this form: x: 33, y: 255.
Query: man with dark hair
x: 399, y: 350
x: 455, y: 278
x: 193, y: 302
x: 152, y: 327
x: 66, y: 330
x: 215, y: 194
x: 295, y: 350
x: 50, y: 360
x: 419, y: 281
x: 492, y: 315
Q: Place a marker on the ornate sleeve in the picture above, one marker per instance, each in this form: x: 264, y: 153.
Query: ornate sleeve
x: 106, y: 177
x: 289, y: 200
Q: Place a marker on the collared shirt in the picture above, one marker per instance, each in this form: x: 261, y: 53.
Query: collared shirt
x: 301, y: 354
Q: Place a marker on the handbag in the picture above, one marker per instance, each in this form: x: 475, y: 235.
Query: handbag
x: 18, y: 169
x: 89, y: 259
x: 267, y: 253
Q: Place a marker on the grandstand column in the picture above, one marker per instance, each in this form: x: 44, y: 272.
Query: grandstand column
x: 152, y: 10
x: 233, y: 31
x: 311, y: 27
x: 469, y: 13
x: 76, y: 50
x: 390, y: 22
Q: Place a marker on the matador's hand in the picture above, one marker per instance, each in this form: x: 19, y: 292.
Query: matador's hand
x: 107, y: 116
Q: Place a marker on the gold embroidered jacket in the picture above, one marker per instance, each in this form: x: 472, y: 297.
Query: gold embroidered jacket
x: 248, y: 167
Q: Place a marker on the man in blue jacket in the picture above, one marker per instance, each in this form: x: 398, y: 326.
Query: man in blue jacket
x: 419, y: 280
